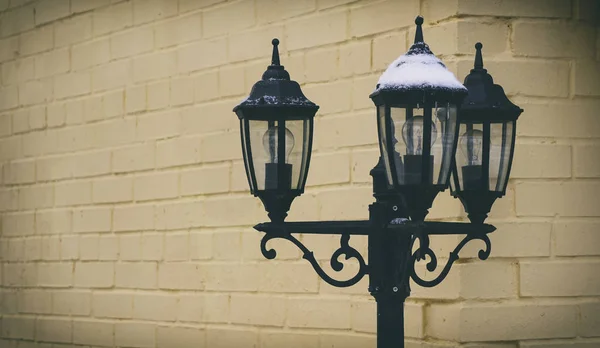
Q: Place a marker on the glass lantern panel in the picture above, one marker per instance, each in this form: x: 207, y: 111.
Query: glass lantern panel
x: 260, y: 154
x: 383, y: 136
x: 445, y: 120
x: 297, y: 149
x: 500, y: 149
x: 469, y: 156
x: 244, y: 129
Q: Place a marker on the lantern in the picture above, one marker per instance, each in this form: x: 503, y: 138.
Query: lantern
x: 276, y: 126
x: 486, y: 143
x: 416, y: 100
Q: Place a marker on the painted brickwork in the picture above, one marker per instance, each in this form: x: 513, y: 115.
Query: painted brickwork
x: 125, y: 210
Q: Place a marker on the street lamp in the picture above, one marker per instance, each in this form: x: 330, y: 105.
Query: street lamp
x: 420, y: 102
x: 486, y: 145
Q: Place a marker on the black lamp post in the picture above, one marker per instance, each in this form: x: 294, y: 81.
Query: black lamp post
x: 420, y: 102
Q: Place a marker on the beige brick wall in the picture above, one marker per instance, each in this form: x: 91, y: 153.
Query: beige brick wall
x: 126, y: 218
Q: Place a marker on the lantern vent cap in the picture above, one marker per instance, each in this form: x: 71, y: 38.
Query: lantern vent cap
x: 418, y: 69
x: 276, y: 89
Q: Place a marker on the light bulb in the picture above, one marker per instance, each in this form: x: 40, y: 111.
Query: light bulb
x: 471, y: 145
x: 412, y: 134
x: 271, y: 139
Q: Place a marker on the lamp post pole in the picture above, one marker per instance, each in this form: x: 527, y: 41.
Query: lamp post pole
x: 406, y: 180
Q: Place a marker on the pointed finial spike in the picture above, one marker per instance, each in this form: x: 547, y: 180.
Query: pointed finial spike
x: 419, y: 32
x: 275, y: 58
x: 478, y: 56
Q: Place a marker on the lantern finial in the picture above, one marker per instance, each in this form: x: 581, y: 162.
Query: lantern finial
x: 275, y: 58
x: 478, y: 56
x: 419, y: 32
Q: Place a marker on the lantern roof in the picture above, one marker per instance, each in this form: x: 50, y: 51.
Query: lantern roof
x: 418, y: 69
x: 486, y: 100
x: 276, y: 90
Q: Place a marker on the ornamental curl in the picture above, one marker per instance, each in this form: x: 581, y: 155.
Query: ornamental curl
x: 344, y: 249
x: 424, y: 251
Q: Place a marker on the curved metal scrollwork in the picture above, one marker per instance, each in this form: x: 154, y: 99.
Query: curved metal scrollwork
x: 424, y: 251
x: 344, y: 249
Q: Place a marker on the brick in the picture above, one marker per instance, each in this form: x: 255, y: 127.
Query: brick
x: 18, y: 327
x: 579, y: 124
x: 38, y: 40
x: 355, y: 58
x: 178, y: 151
x: 72, y: 84
x: 113, y: 305
x: 256, y: 43
x: 94, y: 274
x: 184, y: 337
x: 551, y: 77
x: 155, y: 307
x: 39, y: 91
x: 112, y: 18
x: 152, y: 247
x: 182, y: 91
x: 456, y: 37
x: 180, y: 276
x: 227, y: 245
x: 33, y: 249
x: 9, y: 200
x: 136, y: 275
x: 17, y: 20
x: 333, y: 97
x: 59, y: 275
x: 156, y: 186
x: 154, y: 66
x: 132, y: 42
x: 35, y: 302
x: 590, y: 319
x: 586, y: 78
x: 73, y: 30
x: 319, y: 64
x: 238, y: 180
x: 515, y: 322
x: 154, y: 10
x: 93, y: 332
x: 132, y: 334
x: 558, y: 278
x: 387, y: 48
x: 200, y: 119
x: 69, y: 248
x: 288, y: 277
x: 559, y: 344
x: 317, y: 30
x: 382, y: 16
x: 578, y: 199
x: 51, y: 10
x: 158, y: 125
x: 321, y: 173
x: 133, y: 218
x: 533, y: 161
x: 18, y: 71
x: 50, y: 248
x: 90, y: 53
x: 9, y: 47
x: 206, y: 308
x: 9, y: 302
x: 277, y: 339
x: 113, y: 104
x: 179, y: 215
x: 86, y: 5
x: 158, y: 95
x: 72, y: 303
x: 511, y: 8
x: 189, y: 5
x: 112, y: 75
x: 231, y: 81
x: 176, y: 247
x: 246, y: 208
x: 361, y: 198
x: 547, y: 39
x: 206, y: 180
x: 500, y: 278
x: 206, y: 87
x: 9, y: 97
x: 258, y: 310
x: 322, y: 313
x: 238, y: 16
x: 73, y: 193
x: 19, y: 172
x: 53, y: 222
x: 200, y: 246
x: 191, y: 57
x: 91, y: 220
x: 575, y: 238
x: 223, y: 338
x: 220, y: 147
x: 112, y: 190
x: 18, y: 224
x: 178, y: 31
x: 133, y: 158
x: 16, y: 250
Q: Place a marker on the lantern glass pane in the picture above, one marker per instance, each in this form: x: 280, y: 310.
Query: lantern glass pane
x: 296, y: 155
x: 500, y: 149
x: 445, y: 120
x: 246, y: 154
x: 260, y: 156
x: 469, y: 157
x: 383, y: 136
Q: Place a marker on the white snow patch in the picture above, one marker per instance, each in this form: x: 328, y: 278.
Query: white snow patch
x: 418, y: 71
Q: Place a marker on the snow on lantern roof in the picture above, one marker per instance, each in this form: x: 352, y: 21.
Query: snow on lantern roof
x: 418, y: 69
